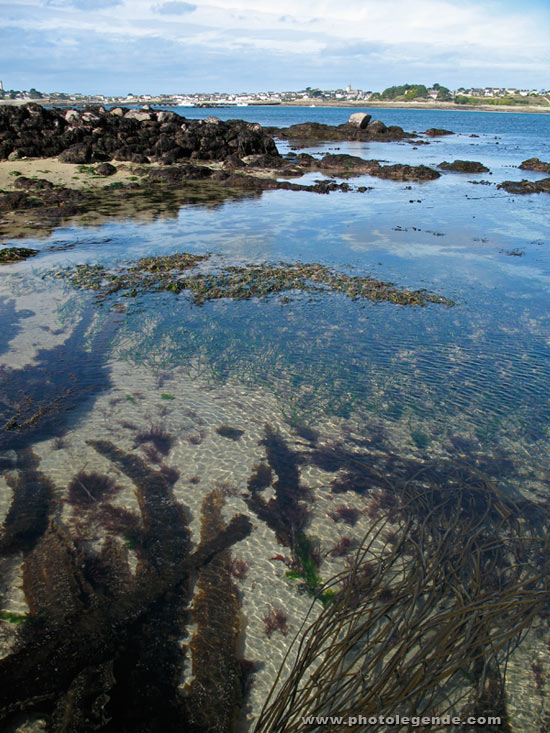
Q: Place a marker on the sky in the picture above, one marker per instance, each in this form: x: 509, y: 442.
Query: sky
x: 149, y: 46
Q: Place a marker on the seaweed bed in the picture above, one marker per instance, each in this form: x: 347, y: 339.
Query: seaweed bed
x: 237, y: 283
x: 448, y: 580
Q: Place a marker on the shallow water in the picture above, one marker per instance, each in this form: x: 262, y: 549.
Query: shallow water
x: 467, y: 383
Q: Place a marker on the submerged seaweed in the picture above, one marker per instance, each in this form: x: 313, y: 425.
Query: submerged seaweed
x: 36, y: 399
x: 100, y: 649
x: 238, y: 283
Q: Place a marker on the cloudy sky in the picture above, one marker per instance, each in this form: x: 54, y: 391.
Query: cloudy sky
x: 141, y: 46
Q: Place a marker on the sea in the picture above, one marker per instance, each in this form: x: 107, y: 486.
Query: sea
x: 234, y: 385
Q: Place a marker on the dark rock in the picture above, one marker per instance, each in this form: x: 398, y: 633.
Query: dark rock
x: 178, y: 173
x: 233, y: 161
x: 105, y: 169
x: 16, y: 254
x: 94, y: 135
x: 266, y: 161
x: 16, y: 200
x: 438, y: 132
x: 522, y: 187
x: 375, y: 131
x: 377, y: 127
x: 463, y: 166
x: 79, y: 153
x: 534, y: 164
x: 32, y: 184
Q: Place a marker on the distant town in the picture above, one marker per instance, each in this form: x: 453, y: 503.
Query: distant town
x: 405, y: 93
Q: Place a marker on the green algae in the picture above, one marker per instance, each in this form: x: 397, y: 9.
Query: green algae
x: 157, y: 274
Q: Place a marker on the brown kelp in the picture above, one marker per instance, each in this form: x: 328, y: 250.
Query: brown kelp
x: 216, y: 693
x: 423, y: 624
x: 100, y: 648
x: 238, y: 282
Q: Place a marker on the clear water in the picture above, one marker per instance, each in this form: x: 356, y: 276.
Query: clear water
x: 478, y: 371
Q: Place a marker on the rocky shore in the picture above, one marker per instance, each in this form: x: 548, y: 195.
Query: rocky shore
x: 97, y: 160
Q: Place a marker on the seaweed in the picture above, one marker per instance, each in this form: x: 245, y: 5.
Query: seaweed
x: 275, y: 620
x: 31, y: 507
x: 424, y: 623
x: 100, y: 644
x: 215, y: 695
x: 160, y: 439
x: 346, y: 514
x: 37, y: 399
x: 86, y: 489
x: 226, y: 431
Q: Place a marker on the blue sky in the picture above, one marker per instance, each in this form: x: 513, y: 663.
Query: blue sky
x: 156, y: 46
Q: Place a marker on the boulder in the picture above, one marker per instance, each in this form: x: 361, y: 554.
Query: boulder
x: 105, y: 169
x: 359, y: 119
x: 72, y: 116
x: 377, y: 127
x: 117, y: 112
x: 534, y: 164
x: 438, y: 132
x: 139, y: 115
x: 212, y: 120
x: 79, y: 153
x: 32, y: 184
x: 463, y: 166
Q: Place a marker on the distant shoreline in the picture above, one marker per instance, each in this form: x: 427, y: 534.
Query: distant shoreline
x: 386, y: 104
x: 432, y: 106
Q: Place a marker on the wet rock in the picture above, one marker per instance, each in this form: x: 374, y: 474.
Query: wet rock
x: 359, y: 119
x: 523, y: 187
x: 266, y: 161
x: 14, y: 201
x: 105, y: 169
x: 377, y: 127
x: 32, y: 184
x: 16, y: 254
x: 463, y: 166
x: 534, y: 164
x: 233, y: 161
x: 438, y: 132
x: 318, y: 131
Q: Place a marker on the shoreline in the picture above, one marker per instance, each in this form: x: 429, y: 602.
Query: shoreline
x: 431, y: 106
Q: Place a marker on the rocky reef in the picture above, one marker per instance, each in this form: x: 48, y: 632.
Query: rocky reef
x: 141, y: 136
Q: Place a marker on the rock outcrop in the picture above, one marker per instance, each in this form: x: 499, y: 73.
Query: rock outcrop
x: 135, y: 135
x: 375, y: 131
x: 463, y: 166
x: 534, y: 164
x: 521, y: 187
